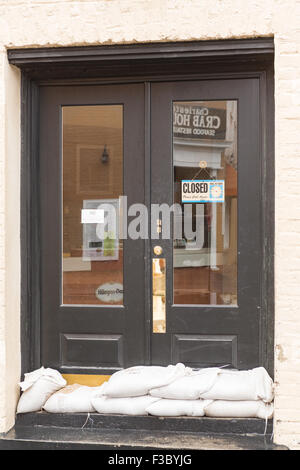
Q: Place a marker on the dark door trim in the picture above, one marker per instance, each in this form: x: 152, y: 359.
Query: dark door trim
x: 83, y: 61
x: 136, y: 63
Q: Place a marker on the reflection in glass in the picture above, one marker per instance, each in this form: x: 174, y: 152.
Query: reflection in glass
x: 159, y: 295
x: 92, y: 183
x: 205, y: 150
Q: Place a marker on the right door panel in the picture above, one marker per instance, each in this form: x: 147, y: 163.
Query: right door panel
x: 206, y: 162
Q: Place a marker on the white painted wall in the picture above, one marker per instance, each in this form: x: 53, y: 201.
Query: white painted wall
x: 9, y: 241
x: 37, y: 23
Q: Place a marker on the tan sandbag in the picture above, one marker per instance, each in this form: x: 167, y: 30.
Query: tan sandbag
x: 72, y: 399
x: 239, y: 409
x: 189, y: 387
x: 125, y: 406
x: 37, y: 387
x: 164, y: 407
x: 137, y: 381
x: 241, y: 385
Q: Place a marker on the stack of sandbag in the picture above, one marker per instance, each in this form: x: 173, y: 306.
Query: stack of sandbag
x: 179, y: 391
x: 155, y: 390
x: 227, y: 393
x: 46, y: 389
x: 128, y: 391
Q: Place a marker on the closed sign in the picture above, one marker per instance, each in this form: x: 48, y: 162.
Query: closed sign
x: 202, y: 191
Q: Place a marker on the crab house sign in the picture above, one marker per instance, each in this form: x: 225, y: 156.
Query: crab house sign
x: 199, y: 122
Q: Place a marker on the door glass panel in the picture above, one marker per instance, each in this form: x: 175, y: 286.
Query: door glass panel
x: 92, y: 258
x: 205, y: 191
x: 159, y: 295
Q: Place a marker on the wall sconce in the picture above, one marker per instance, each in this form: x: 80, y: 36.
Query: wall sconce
x: 105, y: 155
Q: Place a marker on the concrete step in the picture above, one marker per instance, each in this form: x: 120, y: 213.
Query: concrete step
x: 57, y: 438
x: 43, y: 430
x: 148, y: 423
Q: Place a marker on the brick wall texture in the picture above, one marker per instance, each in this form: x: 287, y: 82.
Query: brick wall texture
x: 40, y: 23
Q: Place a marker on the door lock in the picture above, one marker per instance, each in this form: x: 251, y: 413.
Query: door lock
x: 157, y: 250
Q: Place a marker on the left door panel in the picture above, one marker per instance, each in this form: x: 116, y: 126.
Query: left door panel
x: 92, y: 280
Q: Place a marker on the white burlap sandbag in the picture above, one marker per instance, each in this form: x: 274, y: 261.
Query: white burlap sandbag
x: 165, y: 407
x: 255, y: 384
x: 189, y: 387
x: 37, y: 388
x: 137, y: 381
x: 72, y: 399
x: 125, y: 406
x: 239, y: 409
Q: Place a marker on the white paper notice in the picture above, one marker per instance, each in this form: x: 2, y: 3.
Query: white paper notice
x: 92, y: 216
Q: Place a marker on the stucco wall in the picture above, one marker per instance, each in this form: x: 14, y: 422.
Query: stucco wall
x: 68, y: 23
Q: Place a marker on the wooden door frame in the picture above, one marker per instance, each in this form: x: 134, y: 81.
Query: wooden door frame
x: 150, y: 62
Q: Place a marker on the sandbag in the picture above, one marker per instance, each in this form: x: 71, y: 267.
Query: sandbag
x: 255, y: 384
x: 125, y: 406
x: 189, y: 387
x: 72, y: 399
x: 137, y: 381
x: 164, y: 407
x: 37, y: 388
x: 239, y: 409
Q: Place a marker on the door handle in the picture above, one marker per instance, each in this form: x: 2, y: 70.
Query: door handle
x: 157, y: 250
x: 158, y: 293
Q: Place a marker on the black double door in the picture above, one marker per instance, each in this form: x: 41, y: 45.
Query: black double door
x: 110, y: 300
